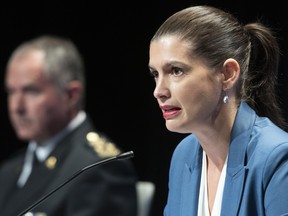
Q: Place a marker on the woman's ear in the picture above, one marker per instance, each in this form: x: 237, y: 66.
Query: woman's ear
x: 231, y: 72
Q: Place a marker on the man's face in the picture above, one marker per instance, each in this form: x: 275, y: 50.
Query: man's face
x: 37, y: 108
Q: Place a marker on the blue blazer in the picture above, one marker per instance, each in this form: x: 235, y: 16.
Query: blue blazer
x: 256, y: 181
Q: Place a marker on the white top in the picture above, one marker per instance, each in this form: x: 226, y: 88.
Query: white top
x: 46, y: 148
x: 203, y: 208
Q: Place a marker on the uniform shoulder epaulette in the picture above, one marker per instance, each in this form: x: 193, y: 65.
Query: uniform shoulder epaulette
x: 101, y: 145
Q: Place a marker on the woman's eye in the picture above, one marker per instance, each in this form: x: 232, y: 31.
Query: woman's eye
x: 154, y: 74
x: 176, y: 71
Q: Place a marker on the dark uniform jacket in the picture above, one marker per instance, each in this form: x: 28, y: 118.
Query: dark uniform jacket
x: 104, y: 190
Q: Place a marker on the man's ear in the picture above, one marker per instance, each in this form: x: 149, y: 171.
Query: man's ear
x: 74, y: 92
x: 231, y: 72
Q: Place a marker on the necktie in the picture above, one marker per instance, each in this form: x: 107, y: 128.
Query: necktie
x: 30, y: 161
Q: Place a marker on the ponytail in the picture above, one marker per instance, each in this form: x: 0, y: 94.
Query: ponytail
x: 261, y: 79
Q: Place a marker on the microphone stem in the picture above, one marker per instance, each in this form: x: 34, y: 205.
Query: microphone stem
x: 124, y: 155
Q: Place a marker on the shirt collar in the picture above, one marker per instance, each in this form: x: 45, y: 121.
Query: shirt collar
x: 47, y: 147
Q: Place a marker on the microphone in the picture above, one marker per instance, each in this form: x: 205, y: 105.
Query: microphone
x: 122, y: 156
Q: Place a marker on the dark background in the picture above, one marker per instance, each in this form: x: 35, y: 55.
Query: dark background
x: 113, y: 38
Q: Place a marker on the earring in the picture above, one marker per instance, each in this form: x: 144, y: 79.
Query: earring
x: 226, y: 99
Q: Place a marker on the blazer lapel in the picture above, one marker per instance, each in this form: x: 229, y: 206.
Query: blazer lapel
x: 236, y: 165
x: 191, y: 180
x: 235, y: 179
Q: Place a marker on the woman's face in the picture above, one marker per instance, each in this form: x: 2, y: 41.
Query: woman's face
x: 188, y: 92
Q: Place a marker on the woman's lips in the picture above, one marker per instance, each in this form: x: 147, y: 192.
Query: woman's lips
x: 169, y: 111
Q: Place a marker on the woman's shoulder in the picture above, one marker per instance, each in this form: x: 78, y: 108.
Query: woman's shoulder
x: 186, y: 148
x: 268, y: 134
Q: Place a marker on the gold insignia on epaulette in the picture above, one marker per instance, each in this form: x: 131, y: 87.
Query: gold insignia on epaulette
x: 101, y: 146
x: 51, y: 162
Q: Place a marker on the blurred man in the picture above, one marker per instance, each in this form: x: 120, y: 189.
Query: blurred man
x: 45, y: 84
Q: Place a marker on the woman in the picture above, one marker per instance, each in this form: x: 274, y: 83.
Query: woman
x: 216, y: 80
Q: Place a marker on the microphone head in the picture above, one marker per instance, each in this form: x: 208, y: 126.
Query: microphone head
x: 125, y: 155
